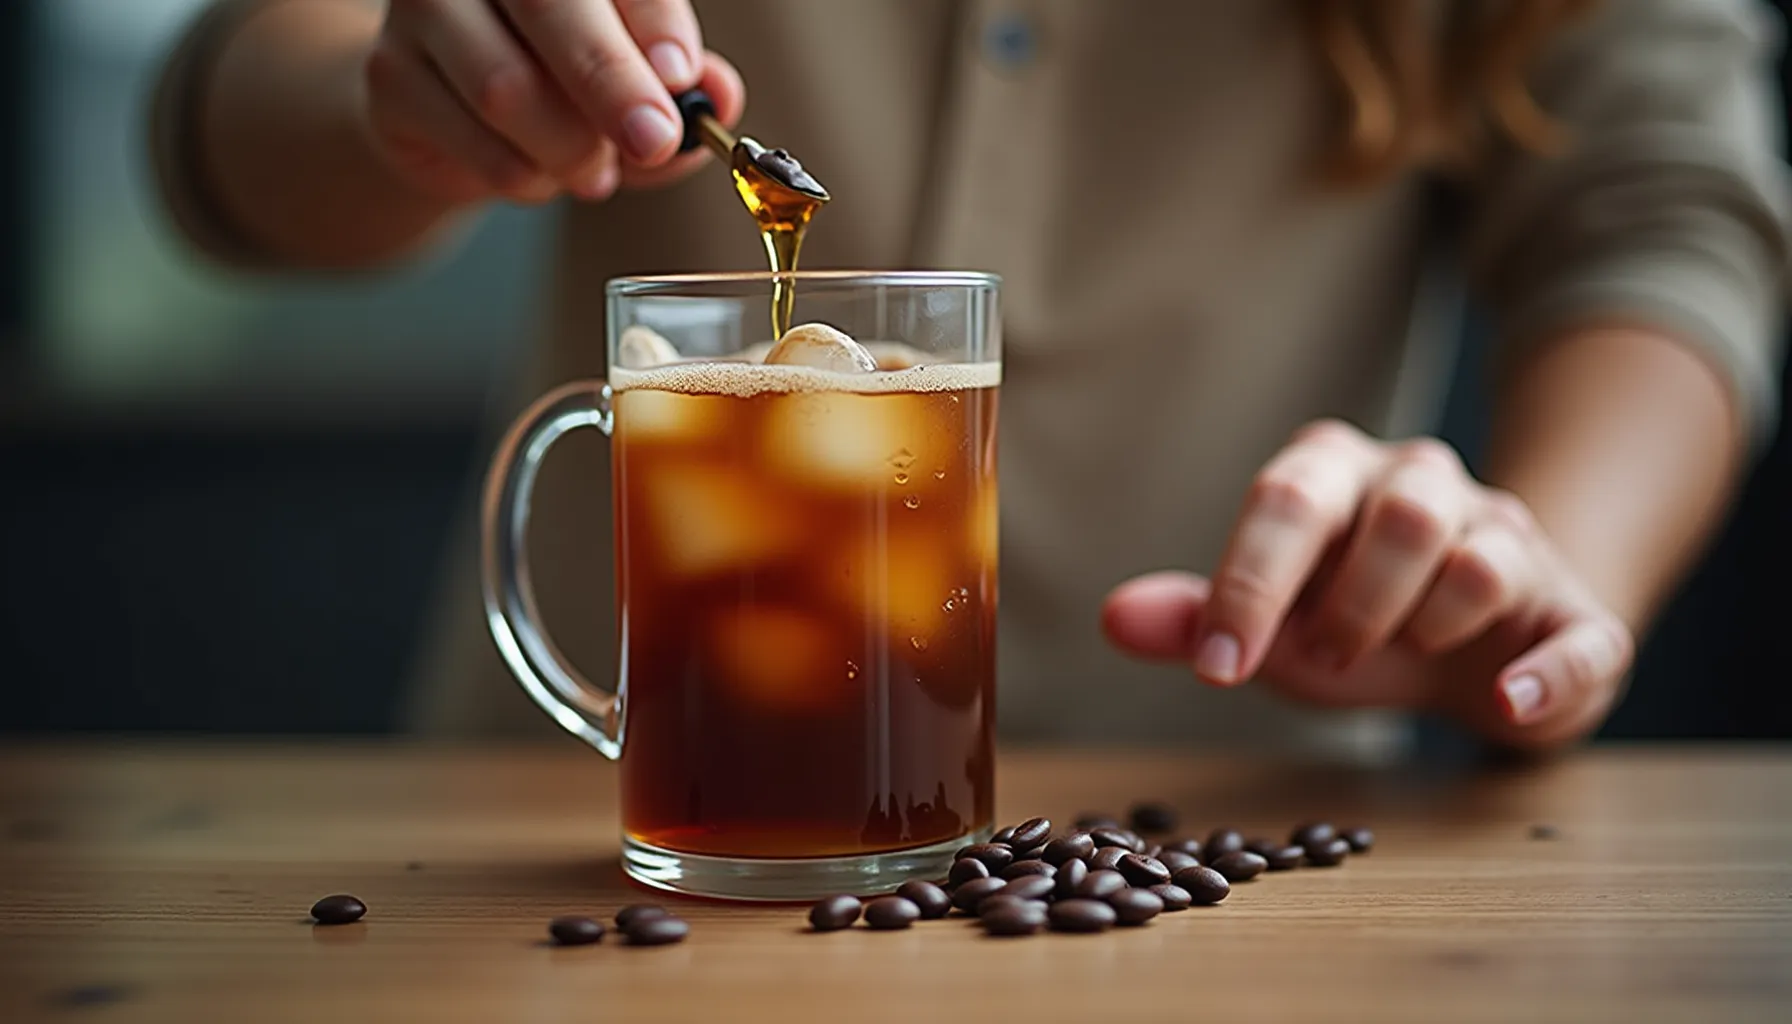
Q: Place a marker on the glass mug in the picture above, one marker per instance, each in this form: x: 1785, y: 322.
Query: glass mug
x: 805, y: 574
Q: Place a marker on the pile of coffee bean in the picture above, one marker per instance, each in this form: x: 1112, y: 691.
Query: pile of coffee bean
x: 643, y: 924
x: 1100, y: 875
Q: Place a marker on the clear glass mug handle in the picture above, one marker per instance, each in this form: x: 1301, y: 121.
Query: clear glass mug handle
x: 590, y: 713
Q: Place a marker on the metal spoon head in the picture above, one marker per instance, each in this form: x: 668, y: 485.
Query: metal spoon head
x: 781, y: 168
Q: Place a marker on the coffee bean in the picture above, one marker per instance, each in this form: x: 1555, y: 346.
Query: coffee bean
x: 1091, y: 820
x: 1136, y: 906
x: 1328, y: 854
x: 575, y: 931
x: 1141, y: 870
x: 338, y: 909
x: 1361, y: 840
x: 1107, y: 858
x: 1175, y: 897
x: 1545, y: 832
x: 661, y: 930
x: 1019, y: 917
x: 1030, y: 833
x: 1220, y: 842
x: 1192, y: 847
x: 1152, y: 850
x: 828, y: 914
x: 1003, y: 836
x: 994, y: 857
x: 965, y: 870
x: 1134, y: 841
x: 1262, y: 845
x: 967, y: 896
x: 1106, y: 837
x: 1100, y: 885
x: 1023, y: 868
x: 1205, y: 886
x: 932, y: 900
x: 1070, y: 875
x: 1074, y: 846
x: 639, y: 911
x: 1286, y: 858
x: 1240, y: 865
x: 1030, y: 887
x: 1176, y: 860
x: 1151, y: 817
x: 1036, y: 853
x: 1081, y: 915
x: 1311, y: 834
x: 994, y: 904
x: 889, y: 913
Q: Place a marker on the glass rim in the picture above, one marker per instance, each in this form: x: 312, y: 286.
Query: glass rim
x: 659, y: 284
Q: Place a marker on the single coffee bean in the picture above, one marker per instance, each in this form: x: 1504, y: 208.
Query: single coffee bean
x: 1074, y: 846
x: 1192, y: 847
x: 1134, y: 841
x: 1070, y: 875
x: 1545, y: 832
x: 966, y: 869
x: 1205, y: 886
x: 1136, y: 906
x: 1152, y: 850
x: 1153, y: 818
x: 932, y: 900
x: 1286, y: 858
x: 1036, y: 853
x: 638, y: 911
x: 1030, y: 833
x: 574, y: 931
x: 1140, y: 870
x: 1091, y: 820
x: 1312, y: 833
x: 661, y: 930
x: 1106, y: 837
x: 1241, y: 865
x: 1107, y: 858
x: 1081, y: 915
x: 1003, y: 836
x: 1262, y: 845
x: 994, y: 857
x: 1361, y: 840
x: 1176, y: 860
x: 1175, y: 897
x: 1220, y: 842
x: 828, y: 914
x: 338, y: 909
x: 889, y: 913
x: 1018, y: 917
x: 1100, y: 885
x: 1030, y: 887
x: 1328, y: 854
x: 1023, y: 868
x: 967, y: 896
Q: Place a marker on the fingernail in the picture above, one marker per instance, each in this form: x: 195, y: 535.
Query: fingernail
x: 1524, y: 695
x: 601, y: 183
x: 1218, y: 659
x: 670, y: 63
x: 647, y: 130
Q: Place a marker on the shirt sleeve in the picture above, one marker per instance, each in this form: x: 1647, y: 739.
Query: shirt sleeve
x: 1668, y: 206
x: 186, y: 198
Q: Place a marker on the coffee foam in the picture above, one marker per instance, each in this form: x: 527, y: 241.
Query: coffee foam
x: 744, y: 380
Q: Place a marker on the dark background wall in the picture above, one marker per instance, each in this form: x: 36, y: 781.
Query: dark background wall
x: 159, y: 574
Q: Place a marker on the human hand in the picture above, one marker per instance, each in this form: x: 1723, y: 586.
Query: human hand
x: 525, y: 99
x: 1363, y: 573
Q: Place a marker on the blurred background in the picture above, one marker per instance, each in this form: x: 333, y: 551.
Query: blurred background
x: 224, y: 505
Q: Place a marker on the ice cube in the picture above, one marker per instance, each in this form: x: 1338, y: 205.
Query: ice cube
x: 852, y: 441
x: 647, y: 414
x: 894, y: 355
x: 710, y: 519
x: 642, y: 348
x: 901, y: 581
x: 778, y: 657
x: 985, y: 527
x: 820, y: 347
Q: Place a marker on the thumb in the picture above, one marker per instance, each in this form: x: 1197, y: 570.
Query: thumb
x: 1155, y: 616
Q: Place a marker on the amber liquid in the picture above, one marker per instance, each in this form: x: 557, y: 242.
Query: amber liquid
x: 783, y: 216
x: 808, y: 586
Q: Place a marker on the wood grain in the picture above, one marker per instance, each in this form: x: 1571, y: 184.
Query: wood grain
x: 172, y: 884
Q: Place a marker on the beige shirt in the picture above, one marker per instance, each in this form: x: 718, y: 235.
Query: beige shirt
x: 1180, y: 294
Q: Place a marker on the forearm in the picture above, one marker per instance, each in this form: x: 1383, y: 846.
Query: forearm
x: 1626, y: 446
x: 280, y: 147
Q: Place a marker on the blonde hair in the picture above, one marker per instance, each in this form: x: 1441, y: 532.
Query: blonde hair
x: 1416, y: 89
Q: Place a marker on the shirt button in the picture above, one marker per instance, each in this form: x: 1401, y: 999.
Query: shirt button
x: 1010, y: 42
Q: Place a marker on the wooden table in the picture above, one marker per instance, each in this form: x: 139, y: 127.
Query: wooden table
x: 172, y: 884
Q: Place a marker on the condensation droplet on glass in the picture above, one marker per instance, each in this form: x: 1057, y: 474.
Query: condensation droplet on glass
x: 852, y: 670
x: 912, y: 501
x: 939, y: 474
x: 903, y: 459
x: 918, y: 643
x: 901, y: 478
